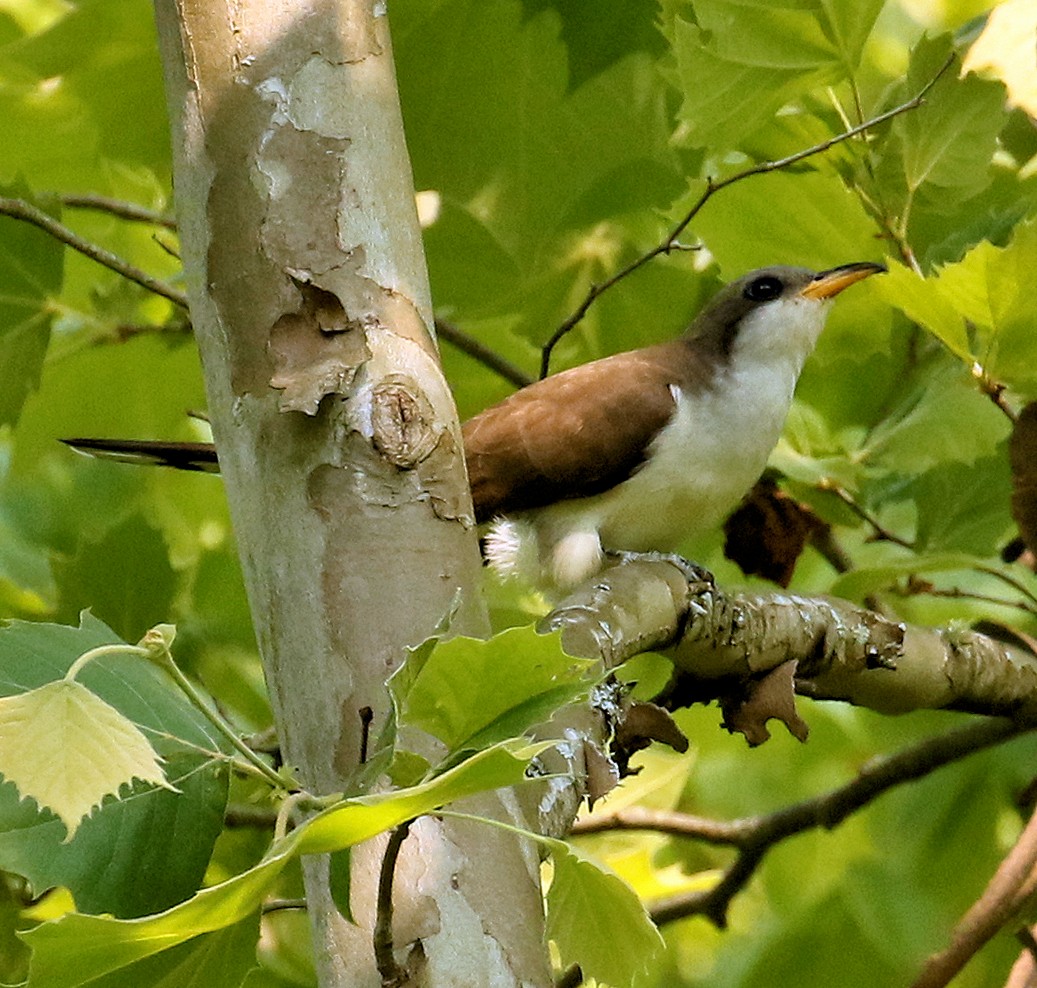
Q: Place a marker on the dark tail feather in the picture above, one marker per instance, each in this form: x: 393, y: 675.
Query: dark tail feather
x: 182, y: 456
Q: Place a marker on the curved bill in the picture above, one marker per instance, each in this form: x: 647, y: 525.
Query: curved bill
x: 828, y: 284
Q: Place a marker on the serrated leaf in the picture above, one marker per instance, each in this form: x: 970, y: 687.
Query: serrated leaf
x: 138, y: 855
x: 67, y: 749
x: 949, y: 141
x: 31, y: 271
x: 125, y: 577
x: 120, y: 860
x: 597, y: 921
x: 471, y: 693
x: 963, y: 508
x: 923, y: 302
x: 103, y: 945
x: 858, y: 583
x: 943, y: 419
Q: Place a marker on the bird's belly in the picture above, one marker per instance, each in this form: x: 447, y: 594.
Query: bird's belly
x: 701, y: 466
x: 698, y: 469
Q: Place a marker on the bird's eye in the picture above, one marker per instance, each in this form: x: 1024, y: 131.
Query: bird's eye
x: 763, y: 289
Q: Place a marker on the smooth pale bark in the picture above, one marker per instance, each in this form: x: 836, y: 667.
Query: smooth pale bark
x: 718, y: 640
x: 337, y: 436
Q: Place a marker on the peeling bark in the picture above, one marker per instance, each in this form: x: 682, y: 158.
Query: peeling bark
x: 337, y: 435
x: 718, y: 642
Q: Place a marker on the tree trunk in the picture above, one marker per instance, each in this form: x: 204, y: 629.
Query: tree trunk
x: 337, y: 436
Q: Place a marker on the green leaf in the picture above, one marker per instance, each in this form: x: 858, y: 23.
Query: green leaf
x: 222, y: 959
x: 31, y: 273
x: 357, y: 819
x: 340, y: 879
x: 743, y: 61
x: 123, y: 859
x: 136, y: 856
x: 803, y: 218
x: 67, y: 749
x: 125, y: 578
x: 594, y: 42
x: 597, y: 921
x: 858, y: 583
x: 103, y: 945
x: 924, y: 302
x: 849, y: 25
x: 964, y: 508
x: 947, y: 144
x: 942, y: 419
x: 105, y: 55
x: 471, y: 693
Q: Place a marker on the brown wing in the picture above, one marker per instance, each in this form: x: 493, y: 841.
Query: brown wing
x: 575, y: 434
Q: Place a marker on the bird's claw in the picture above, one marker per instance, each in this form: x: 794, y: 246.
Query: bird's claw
x: 692, y: 572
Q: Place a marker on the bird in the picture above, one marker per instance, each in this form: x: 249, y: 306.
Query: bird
x: 633, y: 453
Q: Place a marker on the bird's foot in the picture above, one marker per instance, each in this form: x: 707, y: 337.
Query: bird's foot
x: 692, y: 572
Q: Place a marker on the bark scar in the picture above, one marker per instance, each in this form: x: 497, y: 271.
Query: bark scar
x: 317, y: 350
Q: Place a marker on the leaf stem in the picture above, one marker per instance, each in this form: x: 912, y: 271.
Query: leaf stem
x: 162, y: 656
x: 120, y: 648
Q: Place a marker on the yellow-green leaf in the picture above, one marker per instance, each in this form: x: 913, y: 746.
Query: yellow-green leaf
x: 68, y: 749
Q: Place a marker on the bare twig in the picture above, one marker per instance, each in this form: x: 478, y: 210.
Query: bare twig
x: 118, y: 207
x: 1013, y: 884
x: 755, y: 836
x: 670, y: 242
x: 881, y: 534
x: 1024, y: 969
x: 19, y: 209
x: 479, y: 351
x: 392, y: 974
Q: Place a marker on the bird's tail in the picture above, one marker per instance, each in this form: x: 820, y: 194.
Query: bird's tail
x: 182, y: 456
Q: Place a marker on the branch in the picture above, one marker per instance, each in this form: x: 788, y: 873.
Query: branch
x: 119, y: 208
x: 670, y: 242
x: 19, y: 209
x: 1013, y: 885
x: 392, y: 974
x: 723, y: 644
x: 479, y: 351
x: 755, y: 836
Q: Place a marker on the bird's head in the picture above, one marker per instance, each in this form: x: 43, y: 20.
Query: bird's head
x: 774, y: 310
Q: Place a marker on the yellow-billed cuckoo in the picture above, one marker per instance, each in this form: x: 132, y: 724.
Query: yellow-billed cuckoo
x: 631, y: 453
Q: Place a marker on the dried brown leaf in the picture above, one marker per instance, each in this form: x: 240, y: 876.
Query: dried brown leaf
x: 771, y: 696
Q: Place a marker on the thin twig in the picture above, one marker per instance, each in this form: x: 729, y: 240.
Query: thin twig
x: 392, y: 974
x: 479, y: 351
x: 117, y: 207
x: 755, y: 836
x: 957, y: 593
x: 1012, y: 886
x: 19, y: 209
x: 881, y: 534
x: 670, y: 242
